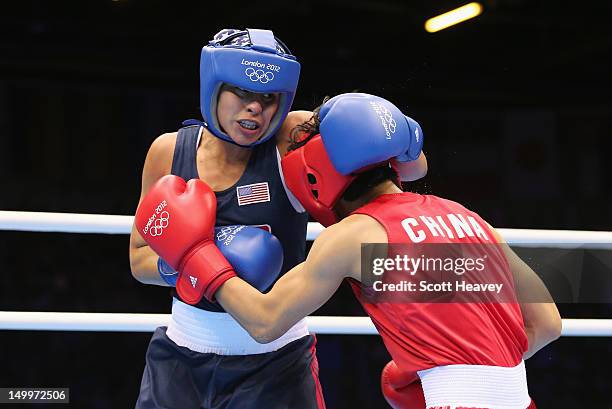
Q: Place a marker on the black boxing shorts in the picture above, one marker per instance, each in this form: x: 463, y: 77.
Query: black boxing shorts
x: 177, y: 377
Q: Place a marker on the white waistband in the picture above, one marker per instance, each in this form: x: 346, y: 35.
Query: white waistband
x: 476, y: 386
x: 218, y: 333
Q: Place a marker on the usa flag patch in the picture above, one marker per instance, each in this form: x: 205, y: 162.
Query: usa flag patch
x: 253, y: 193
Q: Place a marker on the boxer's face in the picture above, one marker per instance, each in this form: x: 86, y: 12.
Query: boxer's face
x: 245, y: 116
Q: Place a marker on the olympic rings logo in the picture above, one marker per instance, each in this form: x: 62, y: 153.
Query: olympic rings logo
x: 227, y: 233
x: 259, y: 75
x: 224, y: 232
x: 388, y: 118
x: 160, y: 224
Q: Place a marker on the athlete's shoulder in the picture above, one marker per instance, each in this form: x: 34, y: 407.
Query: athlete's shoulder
x: 298, y: 116
x: 341, y: 243
x: 163, y: 143
x: 159, y: 158
x: 336, y: 251
x: 355, y: 229
x: 365, y: 228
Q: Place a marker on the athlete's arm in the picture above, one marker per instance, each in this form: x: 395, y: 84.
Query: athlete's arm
x: 540, y: 314
x: 333, y: 256
x: 414, y: 170
x: 158, y: 163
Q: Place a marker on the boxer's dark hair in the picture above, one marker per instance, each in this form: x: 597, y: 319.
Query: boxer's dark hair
x: 365, y: 180
x: 368, y: 180
x: 310, y: 128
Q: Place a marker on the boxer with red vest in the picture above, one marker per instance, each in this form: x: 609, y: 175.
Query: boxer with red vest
x: 342, y: 173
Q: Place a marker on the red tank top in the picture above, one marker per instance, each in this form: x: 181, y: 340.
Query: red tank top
x: 424, y: 335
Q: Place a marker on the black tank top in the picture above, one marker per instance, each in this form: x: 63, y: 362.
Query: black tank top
x: 258, y: 198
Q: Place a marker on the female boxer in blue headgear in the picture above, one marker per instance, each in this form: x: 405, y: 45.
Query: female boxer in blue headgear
x: 204, y: 358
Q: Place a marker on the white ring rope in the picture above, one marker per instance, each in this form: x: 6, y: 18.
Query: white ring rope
x: 113, y: 224
x: 119, y: 322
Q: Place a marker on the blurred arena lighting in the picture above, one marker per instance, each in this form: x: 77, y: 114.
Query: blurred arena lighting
x: 453, y: 17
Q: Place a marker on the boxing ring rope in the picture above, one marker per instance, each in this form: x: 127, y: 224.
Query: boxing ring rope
x: 114, y: 224
x: 119, y: 322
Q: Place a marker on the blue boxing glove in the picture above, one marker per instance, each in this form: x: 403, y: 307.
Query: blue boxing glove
x: 255, y: 254
x: 359, y: 130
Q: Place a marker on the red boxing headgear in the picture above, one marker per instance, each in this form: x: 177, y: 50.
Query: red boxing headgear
x: 314, y: 180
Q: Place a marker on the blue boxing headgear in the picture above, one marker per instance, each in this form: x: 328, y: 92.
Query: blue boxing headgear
x: 253, y: 60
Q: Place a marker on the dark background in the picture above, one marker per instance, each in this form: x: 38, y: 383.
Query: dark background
x: 515, y: 106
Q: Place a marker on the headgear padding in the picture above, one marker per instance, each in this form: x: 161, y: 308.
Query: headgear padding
x: 314, y: 180
x: 253, y: 60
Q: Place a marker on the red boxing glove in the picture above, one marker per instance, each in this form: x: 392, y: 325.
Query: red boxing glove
x: 401, y: 390
x: 177, y: 220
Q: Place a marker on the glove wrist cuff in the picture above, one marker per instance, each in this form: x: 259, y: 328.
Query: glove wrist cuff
x: 203, y: 270
x: 403, y: 158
